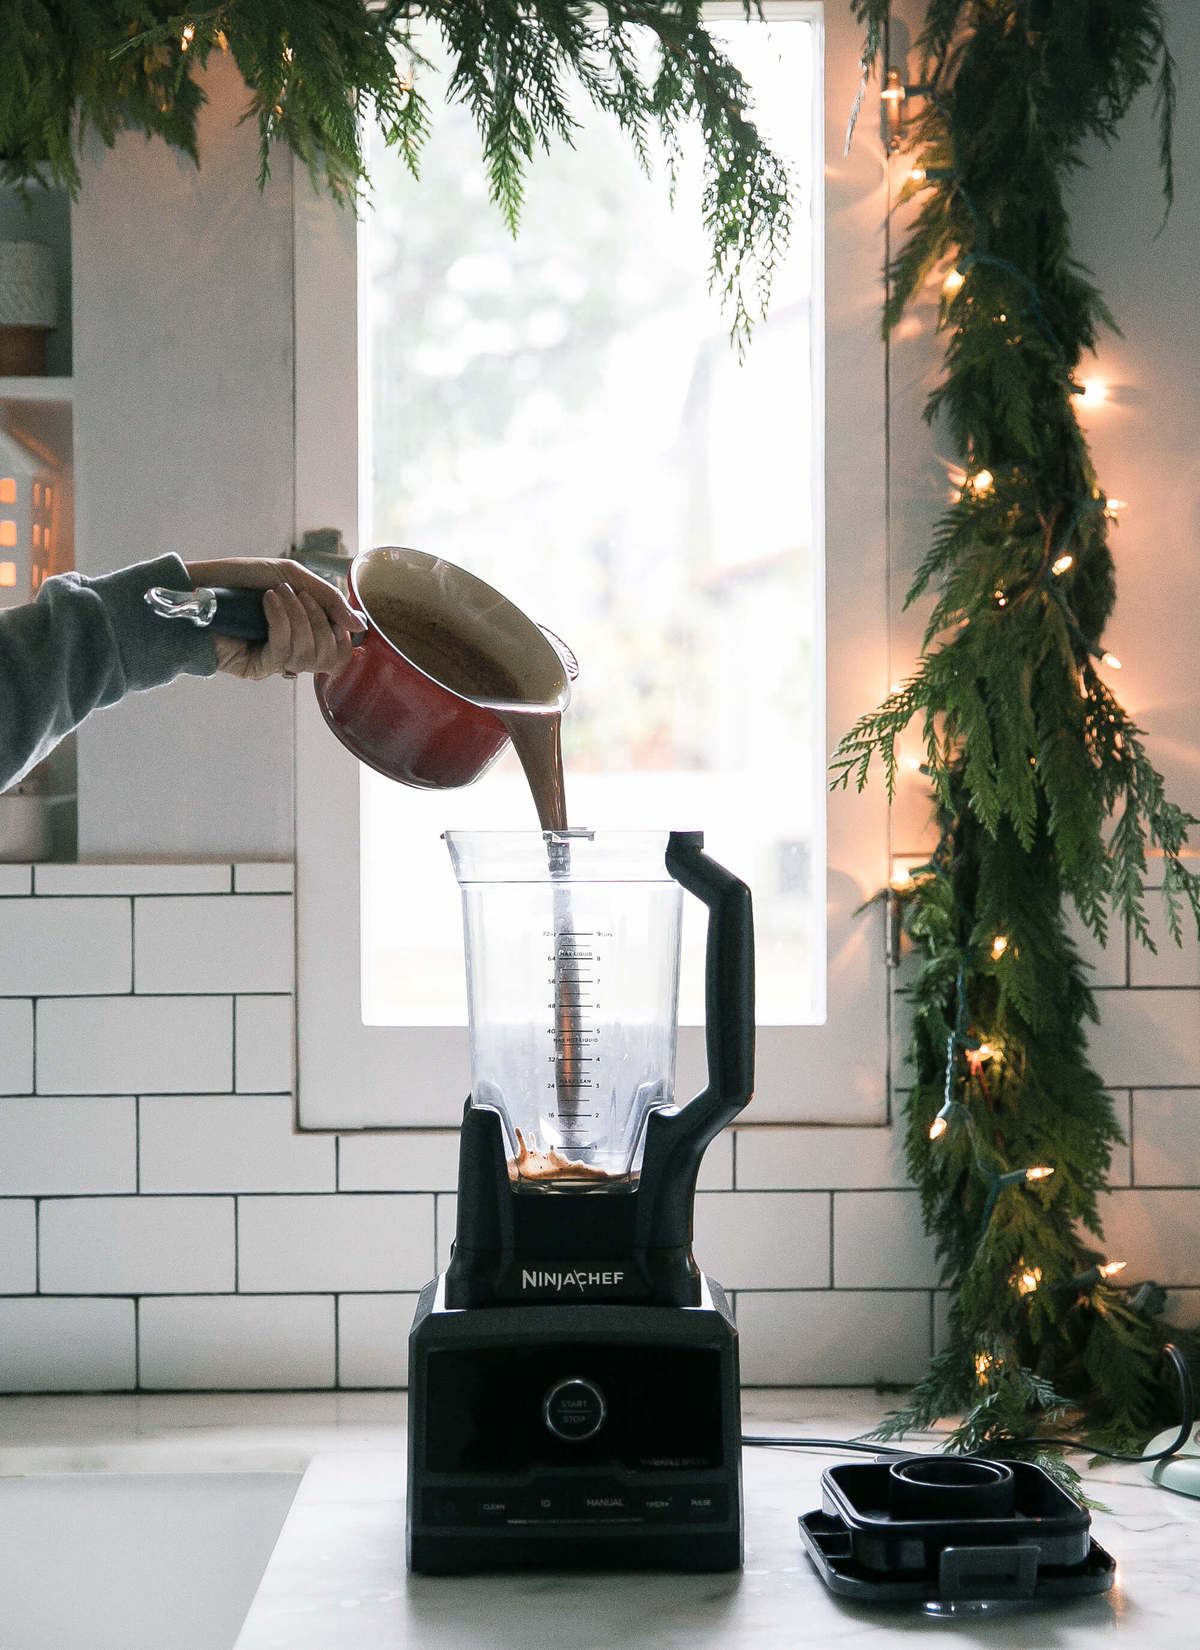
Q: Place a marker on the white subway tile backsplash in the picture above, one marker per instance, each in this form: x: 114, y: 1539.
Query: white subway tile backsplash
x: 413, y: 1160
x: 66, y: 1345
x: 716, y: 1167
x: 64, y: 947
x: 827, y: 1337
x: 1170, y: 964
x: 68, y: 1145
x: 1103, y: 964
x: 230, y: 1143
x: 1166, y: 1137
x: 373, y: 1339
x: 1156, y: 1232
x: 265, y: 1058
x: 1120, y: 1167
x: 134, y: 1045
x: 236, y: 1342
x: 238, y: 942
x: 447, y: 1226
x: 1146, y: 1039
x: 1183, y: 1308
x: 271, y: 1259
x: 18, y: 1246
x: 16, y: 1046
x: 264, y: 877
x: 137, y: 1245
x: 815, y: 1158
x: 763, y: 1240
x: 131, y: 879
x: 879, y: 1242
x: 343, y: 1242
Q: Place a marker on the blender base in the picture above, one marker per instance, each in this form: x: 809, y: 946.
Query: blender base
x: 580, y: 1436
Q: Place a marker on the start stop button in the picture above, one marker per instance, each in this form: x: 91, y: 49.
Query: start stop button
x: 574, y: 1409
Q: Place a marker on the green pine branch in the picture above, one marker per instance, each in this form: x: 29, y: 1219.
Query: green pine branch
x: 1044, y: 790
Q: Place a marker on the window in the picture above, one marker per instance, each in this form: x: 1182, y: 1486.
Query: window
x: 605, y: 414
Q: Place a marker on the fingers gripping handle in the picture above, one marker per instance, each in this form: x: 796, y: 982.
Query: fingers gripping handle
x: 728, y: 979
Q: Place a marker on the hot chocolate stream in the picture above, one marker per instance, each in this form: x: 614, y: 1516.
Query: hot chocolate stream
x: 537, y: 740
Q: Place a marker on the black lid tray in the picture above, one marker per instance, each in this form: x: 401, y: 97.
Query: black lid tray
x: 951, y: 1528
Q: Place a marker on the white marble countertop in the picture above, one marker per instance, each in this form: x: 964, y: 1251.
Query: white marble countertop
x: 337, y: 1578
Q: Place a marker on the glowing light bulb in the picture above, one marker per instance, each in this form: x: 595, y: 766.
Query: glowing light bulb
x: 288, y: 54
x: 1091, y: 392
x: 1112, y: 1267
x: 1039, y: 1172
x: 1001, y: 598
x: 937, y: 1128
x: 1113, y: 507
x: 1111, y: 660
x: 918, y: 174
x: 953, y: 284
x: 981, y: 481
x: 895, y: 90
x: 983, y: 1367
x: 1062, y: 563
x: 999, y: 946
x: 189, y: 34
x: 985, y: 1051
x: 1028, y: 1280
x: 901, y: 877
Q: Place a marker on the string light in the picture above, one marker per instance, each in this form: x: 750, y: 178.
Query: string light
x: 894, y: 90
x: 1062, y: 563
x: 1111, y: 660
x: 1113, y: 507
x: 953, y: 284
x: 189, y: 34
x: 981, y: 482
x: 999, y: 946
x: 1001, y: 599
x: 1093, y: 1276
x: 1091, y: 392
x: 1027, y: 1278
x: 984, y: 1364
x: 1040, y: 1171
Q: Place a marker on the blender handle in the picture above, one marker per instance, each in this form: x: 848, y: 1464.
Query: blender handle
x: 728, y: 984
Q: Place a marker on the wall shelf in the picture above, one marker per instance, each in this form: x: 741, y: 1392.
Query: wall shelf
x: 53, y: 391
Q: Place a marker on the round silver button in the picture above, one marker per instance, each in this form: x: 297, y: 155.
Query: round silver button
x: 574, y: 1409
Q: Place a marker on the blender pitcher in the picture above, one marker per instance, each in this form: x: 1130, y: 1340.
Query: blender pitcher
x: 572, y: 952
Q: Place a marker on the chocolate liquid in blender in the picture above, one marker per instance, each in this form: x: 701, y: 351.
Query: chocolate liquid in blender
x: 461, y: 665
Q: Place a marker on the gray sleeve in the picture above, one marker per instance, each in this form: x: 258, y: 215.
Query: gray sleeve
x: 82, y: 644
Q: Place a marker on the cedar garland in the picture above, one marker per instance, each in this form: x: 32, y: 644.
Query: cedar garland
x: 315, y: 69
x: 1043, y: 789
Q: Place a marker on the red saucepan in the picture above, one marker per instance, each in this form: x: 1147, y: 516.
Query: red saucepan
x: 443, y: 658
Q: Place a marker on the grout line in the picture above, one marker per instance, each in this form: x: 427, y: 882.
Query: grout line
x: 832, y: 1195
x: 137, y: 1344
x: 132, y: 946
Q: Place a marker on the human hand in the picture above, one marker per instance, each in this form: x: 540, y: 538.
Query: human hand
x: 309, y: 623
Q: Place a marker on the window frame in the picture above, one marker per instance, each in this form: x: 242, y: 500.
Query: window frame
x: 353, y: 1076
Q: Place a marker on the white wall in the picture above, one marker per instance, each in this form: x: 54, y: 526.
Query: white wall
x: 183, y: 437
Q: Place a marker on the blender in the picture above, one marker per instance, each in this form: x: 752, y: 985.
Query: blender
x: 574, y: 1395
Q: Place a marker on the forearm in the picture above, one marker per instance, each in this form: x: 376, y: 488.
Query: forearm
x: 82, y: 644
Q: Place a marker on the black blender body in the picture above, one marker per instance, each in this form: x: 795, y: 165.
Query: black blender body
x: 574, y: 1391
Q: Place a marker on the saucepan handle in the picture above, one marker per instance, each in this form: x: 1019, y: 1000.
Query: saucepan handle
x: 235, y: 613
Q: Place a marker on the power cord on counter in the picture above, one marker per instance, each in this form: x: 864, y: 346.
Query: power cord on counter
x: 1187, y: 1405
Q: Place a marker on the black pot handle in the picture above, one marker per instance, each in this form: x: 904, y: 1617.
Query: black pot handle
x: 235, y: 613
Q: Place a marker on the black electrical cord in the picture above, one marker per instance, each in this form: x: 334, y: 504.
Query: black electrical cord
x: 1187, y: 1402
x: 824, y: 1443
